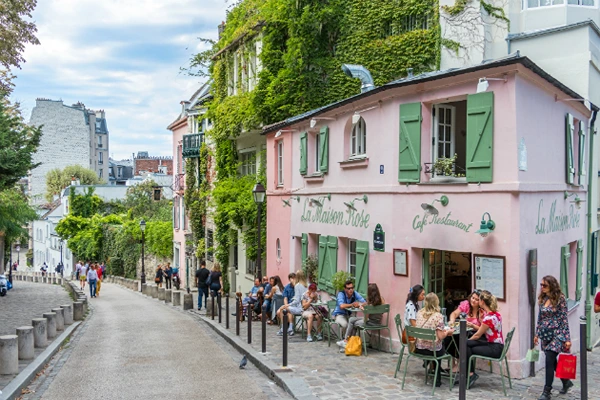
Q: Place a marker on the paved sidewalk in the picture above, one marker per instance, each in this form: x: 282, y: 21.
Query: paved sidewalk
x: 332, y: 375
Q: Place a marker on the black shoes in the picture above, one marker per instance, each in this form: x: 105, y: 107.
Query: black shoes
x: 546, y: 394
x: 474, y: 377
x: 566, y: 386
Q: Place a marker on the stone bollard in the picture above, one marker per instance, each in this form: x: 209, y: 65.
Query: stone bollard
x: 26, y: 342
x: 51, y: 327
x: 60, y: 319
x: 144, y: 289
x: 54, y: 280
x: 154, y: 291
x: 40, y: 335
x: 188, y: 301
x: 9, y: 355
x: 176, y: 297
x: 77, y: 311
x: 35, y: 279
x: 68, y: 313
x: 161, y: 293
x: 168, y: 295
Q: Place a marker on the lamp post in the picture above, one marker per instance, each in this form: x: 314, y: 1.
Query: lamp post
x: 143, y: 276
x: 18, y: 253
x: 60, y: 242
x: 259, y: 194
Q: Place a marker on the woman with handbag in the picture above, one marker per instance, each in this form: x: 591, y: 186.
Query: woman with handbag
x: 216, y: 280
x: 553, y: 331
x: 158, y: 276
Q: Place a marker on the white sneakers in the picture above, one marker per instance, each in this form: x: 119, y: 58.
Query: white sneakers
x: 342, y: 343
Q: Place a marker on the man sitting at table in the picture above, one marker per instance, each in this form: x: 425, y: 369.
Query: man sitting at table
x: 347, y: 299
x: 253, y: 294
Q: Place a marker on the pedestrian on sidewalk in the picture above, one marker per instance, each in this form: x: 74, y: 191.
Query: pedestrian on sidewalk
x: 216, y: 280
x: 168, y: 273
x: 553, y: 330
x: 100, y: 273
x: 158, y: 276
x: 92, y: 278
x: 83, y: 274
x: 201, y: 276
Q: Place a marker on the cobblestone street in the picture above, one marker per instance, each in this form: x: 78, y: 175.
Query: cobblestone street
x: 332, y: 375
x: 27, y: 300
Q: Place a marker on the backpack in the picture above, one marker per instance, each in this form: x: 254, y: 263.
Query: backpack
x: 209, y: 280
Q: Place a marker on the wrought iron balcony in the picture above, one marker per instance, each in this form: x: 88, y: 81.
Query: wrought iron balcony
x: 191, y: 145
x: 454, y: 170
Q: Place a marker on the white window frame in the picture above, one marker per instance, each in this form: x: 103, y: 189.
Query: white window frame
x: 436, y: 128
x: 352, y: 266
x: 100, y: 158
x: 99, y: 141
x: 358, y: 139
x: 541, y: 4
x: 248, y: 161
x: 279, y: 163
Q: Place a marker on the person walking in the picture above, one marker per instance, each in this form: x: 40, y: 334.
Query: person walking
x: 553, y: 331
x: 158, y: 276
x: 202, y: 275
x: 92, y: 278
x: 100, y: 273
x: 168, y: 272
x: 83, y: 275
x: 216, y: 280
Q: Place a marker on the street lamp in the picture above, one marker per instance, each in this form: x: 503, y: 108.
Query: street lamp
x: 259, y: 194
x: 143, y: 276
x: 60, y: 242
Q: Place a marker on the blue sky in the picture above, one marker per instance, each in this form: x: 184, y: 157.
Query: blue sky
x: 123, y: 56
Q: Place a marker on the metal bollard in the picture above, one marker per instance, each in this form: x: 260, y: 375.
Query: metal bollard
x: 583, y: 356
x: 264, y: 327
x: 285, y: 337
x: 219, y: 304
x: 238, y: 315
x: 249, y: 316
x: 213, y: 305
x: 226, y: 310
x: 463, y: 365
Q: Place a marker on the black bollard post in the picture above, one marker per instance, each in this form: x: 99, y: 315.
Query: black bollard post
x: 226, y: 310
x: 249, y: 316
x: 463, y: 366
x: 219, y: 304
x: 583, y: 357
x: 264, y: 327
x: 213, y: 305
x: 238, y: 315
x: 285, y: 337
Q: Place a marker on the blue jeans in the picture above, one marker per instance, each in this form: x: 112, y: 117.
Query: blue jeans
x: 203, y: 291
x: 92, y: 287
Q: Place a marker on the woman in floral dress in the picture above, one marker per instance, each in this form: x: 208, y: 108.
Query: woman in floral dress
x: 553, y: 331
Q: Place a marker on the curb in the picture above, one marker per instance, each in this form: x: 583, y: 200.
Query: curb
x: 282, y: 376
x: 13, y: 389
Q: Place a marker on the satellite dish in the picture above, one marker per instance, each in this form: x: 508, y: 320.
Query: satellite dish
x: 429, y: 209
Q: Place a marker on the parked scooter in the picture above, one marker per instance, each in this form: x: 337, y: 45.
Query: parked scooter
x: 3, y: 285
x: 175, y: 278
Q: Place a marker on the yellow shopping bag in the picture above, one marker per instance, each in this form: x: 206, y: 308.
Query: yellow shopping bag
x: 354, y: 346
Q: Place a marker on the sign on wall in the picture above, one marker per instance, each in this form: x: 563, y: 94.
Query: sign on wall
x: 378, y: 239
x: 556, y: 221
x: 490, y: 274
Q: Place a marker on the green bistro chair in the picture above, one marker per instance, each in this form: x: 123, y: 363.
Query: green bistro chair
x: 399, y: 328
x: 431, y: 336
x: 382, y: 309
x: 502, y: 357
x: 329, y: 321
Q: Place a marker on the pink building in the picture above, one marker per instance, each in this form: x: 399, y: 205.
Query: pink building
x: 393, y: 185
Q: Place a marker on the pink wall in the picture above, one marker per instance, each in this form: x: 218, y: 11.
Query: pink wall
x: 179, y: 130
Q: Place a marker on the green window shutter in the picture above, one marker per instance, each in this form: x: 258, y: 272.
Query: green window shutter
x: 581, y: 172
x: 304, y: 247
x: 480, y: 137
x: 409, y: 156
x: 564, y: 270
x: 303, y: 154
x: 569, y: 127
x: 331, y: 267
x: 362, y: 267
x: 578, y: 286
x: 322, y: 261
x: 324, y: 149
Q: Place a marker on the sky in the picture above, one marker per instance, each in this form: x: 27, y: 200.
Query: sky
x: 122, y: 56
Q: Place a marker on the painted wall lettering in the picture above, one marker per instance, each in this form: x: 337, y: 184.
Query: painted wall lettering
x: 328, y: 215
x: 420, y: 222
x: 556, y: 222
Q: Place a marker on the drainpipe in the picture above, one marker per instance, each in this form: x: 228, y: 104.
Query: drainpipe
x: 360, y: 72
x: 591, y: 176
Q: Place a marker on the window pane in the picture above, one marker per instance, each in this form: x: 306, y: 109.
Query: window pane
x: 587, y: 2
x: 441, y: 151
x: 571, y: 1
x: 441, y: 114
x: 448, y: 116
x: 447, y: 150
x: 364, y: 147
x: 448, y: 133
x: 532, y: 3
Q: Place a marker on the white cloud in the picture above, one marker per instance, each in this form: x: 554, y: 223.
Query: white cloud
x: 122, y: 56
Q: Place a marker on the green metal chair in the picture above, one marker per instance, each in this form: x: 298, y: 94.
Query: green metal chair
x: 329, y: 321
x: 399, y: 328
x: 502, y: 357
x: 431, y: 336
x: 382, y: 309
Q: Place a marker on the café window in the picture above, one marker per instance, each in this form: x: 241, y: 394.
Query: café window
x: 449, y: 136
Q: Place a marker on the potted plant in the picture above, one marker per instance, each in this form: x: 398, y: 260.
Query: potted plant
x: 444, y: 166
x: 339, y: 279
x: 310, y: 267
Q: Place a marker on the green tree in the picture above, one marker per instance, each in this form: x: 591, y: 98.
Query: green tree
x: 84, y: 205
x: 57, y: 179
x: 15, y: 214
x: 141, y: 204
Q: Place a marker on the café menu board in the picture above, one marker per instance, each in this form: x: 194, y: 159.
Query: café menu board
x: 490, y: 274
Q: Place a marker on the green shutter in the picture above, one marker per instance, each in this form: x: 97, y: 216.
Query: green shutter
x: 578, y: 286
x: 362, y: 267
x: 409, y: 156
x: 324, y: 149
x: 322, y: 261
x: 304, y: 247
x: 564, y: 270
x: 480, y: 137
x: 569, y: 148
x: 303, y: 154
x: 331, y: 267
x: 581, y: 172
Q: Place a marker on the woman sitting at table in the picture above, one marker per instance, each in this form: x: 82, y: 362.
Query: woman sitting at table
x: 416, y: 294
x: 491, y: 327
x: 474, y: 316
x: 309, y: 312
x: 373, y: 299
x: 429, y: 317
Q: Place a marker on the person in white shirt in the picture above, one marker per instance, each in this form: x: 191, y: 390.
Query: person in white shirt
x: 92, y: 278
x: 83, y: 275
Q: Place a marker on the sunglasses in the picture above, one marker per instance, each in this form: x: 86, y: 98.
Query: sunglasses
x: 350, y: 288
x: 476, y: 291
x: 544, y: 285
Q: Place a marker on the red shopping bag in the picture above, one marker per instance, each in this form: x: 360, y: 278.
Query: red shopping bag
x: 566, y: 366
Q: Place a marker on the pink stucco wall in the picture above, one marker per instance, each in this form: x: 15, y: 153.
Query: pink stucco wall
x: 179, y: 234
x: 524, y: 107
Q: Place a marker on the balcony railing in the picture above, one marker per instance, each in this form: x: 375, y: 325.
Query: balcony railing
x: 191, y: 145
x: 179, y: 183
x: 455, y: 170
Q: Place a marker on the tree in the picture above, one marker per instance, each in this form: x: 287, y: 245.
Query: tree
x: 15, y: 32
x: 15, y: 214
x: 141, y: 204
x: 57, y: 179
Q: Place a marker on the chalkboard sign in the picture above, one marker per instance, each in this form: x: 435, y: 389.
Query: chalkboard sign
x: 378, y: 239
x: 490, y: 274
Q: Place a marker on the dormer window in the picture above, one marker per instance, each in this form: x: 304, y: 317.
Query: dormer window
x: 358, y: 139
